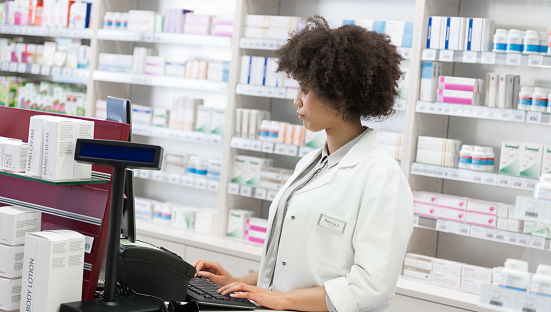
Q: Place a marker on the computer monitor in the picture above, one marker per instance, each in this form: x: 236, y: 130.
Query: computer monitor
x: 120, y: 110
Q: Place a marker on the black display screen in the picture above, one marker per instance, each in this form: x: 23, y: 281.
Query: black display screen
x: 123, y: 153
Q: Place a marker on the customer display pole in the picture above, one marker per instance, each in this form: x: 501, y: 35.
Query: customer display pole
x: 120, y: 155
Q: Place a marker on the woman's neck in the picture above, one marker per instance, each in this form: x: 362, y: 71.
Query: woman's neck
x: 343, y: 133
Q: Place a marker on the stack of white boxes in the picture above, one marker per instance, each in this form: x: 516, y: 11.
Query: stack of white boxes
x: 274, y: 178
x: 502, y: 90
x: 459, y: 90
x: 529, y: 160
x: 247, y: 170
x: 237, y: 221
x: 270, y: 27
x: 459, y: 33
x: 261, y: 71
x: 430, y: 73
x: 15, y: 222
x: 438, y: 151
x: 13, y: 154
x: 255, y: 230
x: 391, y: 142
x: 247, y: 122
x: 445, y: 273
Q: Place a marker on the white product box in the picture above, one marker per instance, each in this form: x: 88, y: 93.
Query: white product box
x: 36, y: 139
x: 438, y: 144
x: 257, y: 224
x: 436, y: 158
x: 245, y: 114
x: 501, y: 90
x: 237, y: 219
x: 477, y: 273
x: 472, y: 286
x: 239, y: 169
x: 514, y: 225
x: 418, y: 261
x: 255, y: 236
x: 425, y: 197
x: 434, y: 32
x: 546, y: 160
x: 455, y: 202
x: 254, y: 123
x: 287, y: 22
x: 492, y: 86
x: 496, y: 275
x: 15, y: 222
x: 84, y: 130
x: 272, y: 78
x: 271, y: 173
x: 270, y: 184
x: 183, y: 217
x: 175, y: 67
x: 115, y: 62
x: 52, y: 270
x: 254, y: 167
x: 11, y: 261
x: 418, y: 274
x: 482, y: 206
x: 446, y: 280
x: 481, y: 219
x: 509, y: 162
x: 457, y: 97
x: 451, y: 214
x: 217, y: 121
x: 537, y: 229
x: 430, y: 71
x: 531, y: 160
x: 446, y: 267
x: 141, y: 114
x: 479, y: 32
x: 245, y: 74
x: 10, y: 294
x: 502, y: 210
x: 389, y: 138
x: 425, y: 210
x: 258, y: 70
x: 204, y: 116
x: 455, y: 33
x: 59, y: 149
x: 143, y: 209
x: 15, y: 156
x: 458, y: 83
x: 502, y: 224
x: 160, y: 117
x: 512, y: 212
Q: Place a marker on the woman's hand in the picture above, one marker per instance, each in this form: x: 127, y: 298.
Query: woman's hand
x: 267, y: 298
x: 213, y: 272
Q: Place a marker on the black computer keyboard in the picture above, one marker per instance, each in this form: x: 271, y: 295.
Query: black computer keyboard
x: 204, y: 292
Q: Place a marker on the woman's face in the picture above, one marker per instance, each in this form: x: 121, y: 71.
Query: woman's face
x: 315, y: 114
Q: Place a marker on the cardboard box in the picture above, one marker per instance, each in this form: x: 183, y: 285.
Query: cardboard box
x: 514, y: 225
x: 204, y: 116
x: 502, y: 224
x: 481, y: 219
x: 52, y: 270
x: 11, y: 261
x: 438, y: 144
x: 205, y: 219
x: 477, y: 273
x: 254, y: 167
x: 15, y: 222
x: 237, y: 219
x: 84, y: 130
x: 454, y: 202
x: 430, y: 71
x: 418, y: 261
x: 183, y: 217
x: 417, y: 274
x: 482, y: 206
x: 446, y: 280
x: 451, y: 214
x: 36, y: 139
x: 446, y: 267
x: 15, y: 156
x: 436, y: 158
x: 509, y: 162
x: 425, y: 197
x: 502, y: 210
x: 546, y: 160
x: 10, y: 294
x: 59, y: 149
x: 531, y: 160
x: 425, y: 210
x: 472, y: 286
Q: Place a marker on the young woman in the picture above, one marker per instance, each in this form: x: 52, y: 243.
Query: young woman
x: 339, y: 228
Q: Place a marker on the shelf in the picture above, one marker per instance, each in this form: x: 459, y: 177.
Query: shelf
x: 497, y: 58
x: 480, y: 232
x: 58, y: 74
x: 288, y: 93
x: 37, y: 31
x: 477, y: 177
x: 184, y: 39
x: 270, y: 147
x: 160, y: 81
x: 225, y: 245
x: 97, y: 178
x: 174, y: 134
x: 252, y: 192
x: 274, y: 44
x: 178, y: 179
x: 482, y: 112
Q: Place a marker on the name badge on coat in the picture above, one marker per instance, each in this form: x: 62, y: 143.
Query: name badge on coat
x: 331, y: 224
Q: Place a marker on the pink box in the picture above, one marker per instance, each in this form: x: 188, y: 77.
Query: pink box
x: 481, y: 219
x: 456, y: 215
x: 454, y: 97
x: 454, y: 202
x: 482, y: 206
x: 424, y: 210
x: 425, y: 197
x: 458, y: 84
x: 221, y: 20
x: 192, y: 18
x: 222, y: 30
x: 196, y: 29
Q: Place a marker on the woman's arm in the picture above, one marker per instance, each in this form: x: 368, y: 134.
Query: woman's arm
x: 218, y: 275
x: 249, y: 279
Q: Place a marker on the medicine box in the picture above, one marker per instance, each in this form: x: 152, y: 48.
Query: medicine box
x: 59, y: 149
x: 239, y: 169
x: 546, y: 160
x: 438, y: 144
x: 217, y: 121
x: 425, y: 197
x: 451, y: 214
x: 450, y: 201
x: 10, y: 294
x: 472, y: 286
x: 457, y: 97
x: 446, y: 280
x: 205, y: 218
x: 446, y: 267
x: 11, y: 261
x: 255, y: 230
x: 502, y: 210
x: 254, y: 167
x: 418, y: 261
x: 183, y: 217
x: 436, y: 158
x: 15, y: 222
x: 236, y: 222
x: 458, y: 83
x: 417, y: 274
x: 509, y: 162
x: 15, y: 156
x: 430, y: 71
x: 35, y: 140
x: 477, y: 273
x: 52, y: 270
x: 389, y: 138
x: 514, y: 225
x: 204, y: 116
x: 531, y: 160
x: 482, y: 206
x: 481, y: 219
x: 84, y: 130
x: 502, y: 223
x: 315, y: 139
x: 143, y: 209
x: 425, y: 210
x: 141, y: 114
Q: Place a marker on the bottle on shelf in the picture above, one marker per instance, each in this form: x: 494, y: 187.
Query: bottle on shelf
x: 466, y: 156
x: 514, y: 41
x: 479, y: 159
x: 543, y: 187
x: 108, y: 20
x: 490, y: 159
x: 543, y: 42
x: 540, y: 100
x: 525, y: 98
x: 515, y: 275
x: 531, y: 42
x: 500, y: 40
x: 541, y: 281
x: 274, y: 131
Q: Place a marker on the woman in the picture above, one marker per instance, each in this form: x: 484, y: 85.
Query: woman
x: 340, y: 226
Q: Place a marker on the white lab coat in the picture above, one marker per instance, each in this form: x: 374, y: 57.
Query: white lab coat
x: 366, y: 207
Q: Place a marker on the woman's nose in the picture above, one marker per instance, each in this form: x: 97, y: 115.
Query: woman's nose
x: 298, y: 99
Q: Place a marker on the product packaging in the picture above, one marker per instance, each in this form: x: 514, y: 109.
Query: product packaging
x: 204, y: 116
x: 481, y: 219
x: 52, y: 270
x: 477, y: 273
x: 446, y: 267
x: 438, y: 144
x: 418, y: 261
x: 11, y: 262
x: 84, y: 130
x: 425, y: 210
x: 425, y: 197
x: 143, y: 209
x: 531, y: 160
x: 430, y: 71
x: 254, y: 167
x: 15, y: 222
x: 205, y: 219
x: 15, y: 156
x: 472, y: 286
x: 436, y: 158
x: 546, y: 160
x: 10, y: 294
x: 36, y: 139
x: 239, y: 169
x: 509, y: 163
x: 59, y: 149
x: 446, y: 280
x: 482, y: 206
x: 451, y: 214
x: 236, y: 222
x: 255, y: 230
x: 417, y: 274
x: 183, y: 217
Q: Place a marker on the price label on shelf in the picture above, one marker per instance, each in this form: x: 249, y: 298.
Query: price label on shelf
x: 45, y: 70
x: 233, y: 188
x: 280, y: 93
x: 260, y: 193
x: 537, y: 242
x: 504, y: 114
x: 67, y: 72
x: 523, y: 240
x: 213, y: 185
x: 442, y: 225
x: 249, y: 90
x: 13, y: 67
x: 271, y: 195
x: 144, y: 174
x: 21, y: 68
x: 56, y: 71
x: 280, y: 149
x: 529, y: 184
x: 188, y: 181
x: 270, y: 91
x: 256, y: 145
x: 488, y: 58
x: 240, y: 88
x: 35, y: 69
x: 533, y: 117
x: 535, y: 60
x: 516, y: 115
x: 246, y: 191
x: 491, y: 113
x: 215, y: 139
x: 446, y: 56
x: 201, y: 183
x: 5, y: 66
x: 489, y: 178
x: 268, y: 147
x: 174, y: 178
x: 459, y: 228
x: 292, y: 150
x: 246, y: 144
x: 260, y: 91
x: 149, y: 37
x: 428, y: 55
x: 157, y: 175
x: 511, y: 238
x: 513, y: 59
x: 503, y: 180
x: 421, y: 107
x: 478, y: 232
x: 499, y: 236
x: 303, y: 150
x: 469, y: 57
x: 415, y: 220
x: 431, y: 107
x: 516, y: 182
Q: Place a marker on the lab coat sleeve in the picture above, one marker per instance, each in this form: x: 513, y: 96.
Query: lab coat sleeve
x: 383, y: 228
